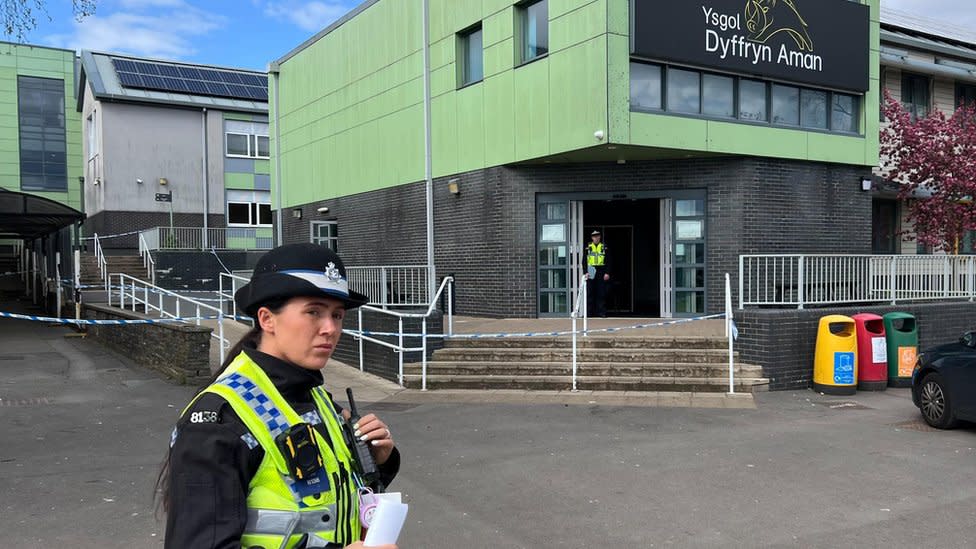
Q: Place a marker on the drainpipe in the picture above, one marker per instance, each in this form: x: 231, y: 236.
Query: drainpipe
x: 428, y: 168
x: 274, y: 69
x: 206, y: 182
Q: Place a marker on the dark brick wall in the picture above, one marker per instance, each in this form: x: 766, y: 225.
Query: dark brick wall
x: 114, y: 222
x: 181, y: 352
x: 199, y: 270
x: 783, y: 341
x: 485, y: 236
x: 383, y: 361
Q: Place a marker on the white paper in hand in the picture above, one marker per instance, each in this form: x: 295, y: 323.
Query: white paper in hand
x: 387, y: 523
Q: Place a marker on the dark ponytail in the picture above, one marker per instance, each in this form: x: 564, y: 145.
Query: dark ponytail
x: 250, y: 340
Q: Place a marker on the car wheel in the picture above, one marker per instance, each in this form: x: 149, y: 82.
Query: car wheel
x: 934, y: 403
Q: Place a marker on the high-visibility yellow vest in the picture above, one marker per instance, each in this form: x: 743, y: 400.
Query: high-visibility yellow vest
x: 274, y: 508
x: 596, y: 254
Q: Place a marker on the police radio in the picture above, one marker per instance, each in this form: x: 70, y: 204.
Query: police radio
x: 365, y: 463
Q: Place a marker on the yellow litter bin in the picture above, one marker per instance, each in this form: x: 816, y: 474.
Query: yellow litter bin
x: 835, y: 360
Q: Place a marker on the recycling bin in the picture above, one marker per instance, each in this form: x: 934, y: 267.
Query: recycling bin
x: 901, y: 332
x: 835, y: 359
x: 872, y: 352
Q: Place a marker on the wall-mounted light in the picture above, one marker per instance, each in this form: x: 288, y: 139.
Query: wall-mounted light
x: 296, y: 213
x: 138, y: 181
x: 163, y: 181
x: 454, y: 186
x: 323, y: 210
x: 866, y: 183
x: 97, y: 181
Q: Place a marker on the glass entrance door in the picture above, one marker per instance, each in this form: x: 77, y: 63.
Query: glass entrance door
x: 689, y: 256
x: 553, y: 235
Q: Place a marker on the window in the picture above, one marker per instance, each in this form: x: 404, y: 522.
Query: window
x: 965, y: 95
x: 753, y: 102
x: 884, y: 227
x: 471, y: 56
x: 786, y: 105
x: 718, y: 95
x: 249, y: 208
x: 645, y: 86
x: 915, y: 95
x: 326, y: 233
x: 246, y: 139
x: 844, y: 115
x: 92, y: 141
x: 813, y: 109
x: 684, y: 91
x: 533, y: 25
x: 43, y: 147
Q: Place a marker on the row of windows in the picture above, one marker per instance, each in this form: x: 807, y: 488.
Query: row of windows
x: 916, y: 95
x: 246, y: 139
x: 532, y: 32
x: 665, y: 88
x: 249, y: 208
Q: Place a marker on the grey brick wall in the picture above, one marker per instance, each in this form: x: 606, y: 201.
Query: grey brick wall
x: 118, y: 222
x: 783, y: 342
x: 181, y: 352
x: 200, y: 270
x: 485, y: 236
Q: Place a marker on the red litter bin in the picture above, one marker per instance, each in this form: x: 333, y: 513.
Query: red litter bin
x: 872, y: 352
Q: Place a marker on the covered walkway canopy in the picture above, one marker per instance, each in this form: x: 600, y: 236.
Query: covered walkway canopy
x: 27, y: 217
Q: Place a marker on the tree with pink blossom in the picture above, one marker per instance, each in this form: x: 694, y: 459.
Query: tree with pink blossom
x: 933, y: 158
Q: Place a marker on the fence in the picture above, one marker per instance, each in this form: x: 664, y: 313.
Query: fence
x: 392, y: 286
x: 198, y: 238
x: 802, y: 280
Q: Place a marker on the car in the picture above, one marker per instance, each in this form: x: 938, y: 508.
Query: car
x: 944, y: 383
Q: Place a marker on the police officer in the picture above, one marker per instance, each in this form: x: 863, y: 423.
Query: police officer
x: 598, y: 275
x: 258, y: 459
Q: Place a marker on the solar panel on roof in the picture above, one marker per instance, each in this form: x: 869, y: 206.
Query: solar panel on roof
x: 130, y: 80
x: 196, y: 86
x: 237, y: 90
x: 191, y: 80
x: 154, y: 82
x: 176, y: 84
x: 231, y: 77
x: 217, y: 88
x: 146, y: 68
x: 124, y: 65
x: 169, y: 70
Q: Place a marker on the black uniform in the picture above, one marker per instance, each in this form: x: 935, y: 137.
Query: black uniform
x: 211, y: 465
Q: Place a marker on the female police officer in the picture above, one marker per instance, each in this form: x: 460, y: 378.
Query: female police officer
x: 258, y: 459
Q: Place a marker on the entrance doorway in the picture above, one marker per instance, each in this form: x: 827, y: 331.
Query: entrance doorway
x: 631, y: 232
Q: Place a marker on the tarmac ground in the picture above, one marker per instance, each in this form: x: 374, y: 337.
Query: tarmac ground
x: 83, y: 432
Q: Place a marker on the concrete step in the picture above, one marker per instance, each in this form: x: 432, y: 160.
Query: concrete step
x: 587, y: 369
x: 593, y: 341
x: 587, y: 383
x: 565, y: 355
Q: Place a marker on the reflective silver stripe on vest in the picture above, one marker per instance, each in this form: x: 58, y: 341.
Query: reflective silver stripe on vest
x: 278, y: 523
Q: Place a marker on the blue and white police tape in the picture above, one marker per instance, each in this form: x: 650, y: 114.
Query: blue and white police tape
x: 103, y: 237
x: 12, y: 273
x: 89, y: 322
x: 502, y: 335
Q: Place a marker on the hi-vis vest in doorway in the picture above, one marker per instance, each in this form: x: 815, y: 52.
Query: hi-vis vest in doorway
x: 596, y: 254
x: 274, y: 507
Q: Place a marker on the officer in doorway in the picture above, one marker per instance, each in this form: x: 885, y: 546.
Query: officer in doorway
x: 597, y: 275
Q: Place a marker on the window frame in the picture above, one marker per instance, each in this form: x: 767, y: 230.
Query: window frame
x: 253, y: 149
x: 963, y: 89
x: 34, y: 125
x: 910, y: 104
x: 253, y: 206
x: 331, y: 241
x: 463, y: 45
x: 521, y: 29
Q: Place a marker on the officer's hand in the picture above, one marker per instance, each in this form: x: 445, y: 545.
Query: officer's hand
x: 606, y: 277
x: 359, y: 545
x: 377, y: 435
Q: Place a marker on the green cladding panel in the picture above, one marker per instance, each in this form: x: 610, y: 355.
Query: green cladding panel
x: 352, y: 102
x: 41, y: 62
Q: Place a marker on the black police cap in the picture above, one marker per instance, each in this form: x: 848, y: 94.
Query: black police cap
x: 297, y: 270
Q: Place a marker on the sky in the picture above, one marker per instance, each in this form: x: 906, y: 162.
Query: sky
x: 251, y: 33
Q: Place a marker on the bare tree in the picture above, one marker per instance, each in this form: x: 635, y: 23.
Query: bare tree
x: 20, y: 16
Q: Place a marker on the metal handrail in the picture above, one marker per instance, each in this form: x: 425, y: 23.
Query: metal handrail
x: 199, y: 238
x: 448, y: 284
x: 580, y: 304
x: 100, y: 260
x: 391, y: 285
x: 224, y: 296
x: 136, y: 286
x: 147, y: 259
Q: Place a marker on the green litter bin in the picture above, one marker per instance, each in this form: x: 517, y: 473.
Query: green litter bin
x: 901, y: 332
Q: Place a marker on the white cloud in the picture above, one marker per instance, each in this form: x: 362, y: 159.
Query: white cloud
x: 310, y: 16
x: 140, y: 4
x: 162, y: 33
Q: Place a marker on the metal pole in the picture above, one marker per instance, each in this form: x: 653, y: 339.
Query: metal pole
x: 220, y: 328
x: 423, y: 362
x: 361, y: 339
x: 428, y: 164
x: 586, y: 312
x: 400, y: 350
x: 450, y: 307
x: 275, y: 69
x: 800, y: 275
x: 728, y: 331
x: 77, y: 279
x: 34, y: 279
x: 206, y: 182
x: 741, y: 279
x: 574, y: 351
x: 57, y: 275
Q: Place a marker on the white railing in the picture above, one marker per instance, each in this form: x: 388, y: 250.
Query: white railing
x: 100, y: 260
x: 229, y: 284
x: 392, y: 286
x: 147, y: 259
x: 802, y: 280
x: 221, y: 238
x: 398, y: 347
x: 579, y: 309
x: 132, y: 292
